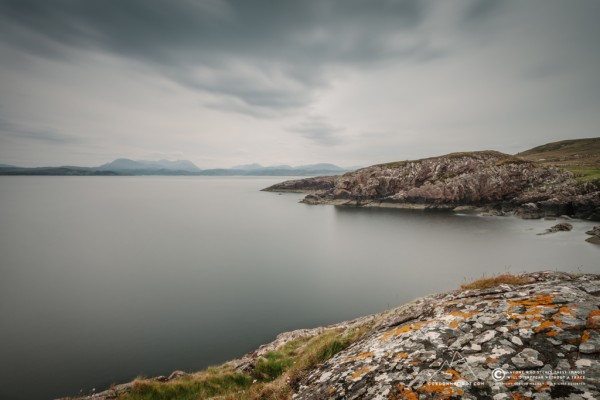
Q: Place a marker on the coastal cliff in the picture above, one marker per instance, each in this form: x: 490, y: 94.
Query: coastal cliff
x: 529, y: 336
x: 489, y: 180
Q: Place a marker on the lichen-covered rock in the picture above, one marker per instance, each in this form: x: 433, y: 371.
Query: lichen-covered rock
x: 495, y: 181
x: 535, y: 341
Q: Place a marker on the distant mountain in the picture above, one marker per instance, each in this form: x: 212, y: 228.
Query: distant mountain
x: 276, y: 170
x: 305, y: 169
x: 322, y: 167
x: 248, y: 167
x: 125, y: 164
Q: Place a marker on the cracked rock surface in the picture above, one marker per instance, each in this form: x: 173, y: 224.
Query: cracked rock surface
x: 538, y: 341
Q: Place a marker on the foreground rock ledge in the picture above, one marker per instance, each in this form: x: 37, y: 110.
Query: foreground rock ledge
x: 536, y: 341
x: 542, y: 341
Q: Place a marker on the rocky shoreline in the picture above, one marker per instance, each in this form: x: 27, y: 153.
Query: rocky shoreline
x: 488, y: 181
x: 539, y: 340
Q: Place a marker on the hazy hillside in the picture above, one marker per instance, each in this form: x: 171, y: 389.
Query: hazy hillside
x: 121, y: 164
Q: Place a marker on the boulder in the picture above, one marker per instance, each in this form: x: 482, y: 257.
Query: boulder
x: 562, y: 227
x: 595, y: 235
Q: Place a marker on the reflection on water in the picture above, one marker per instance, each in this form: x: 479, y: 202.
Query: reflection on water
x: 105, y: 278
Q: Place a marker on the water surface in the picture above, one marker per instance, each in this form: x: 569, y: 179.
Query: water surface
x: 106, y: 278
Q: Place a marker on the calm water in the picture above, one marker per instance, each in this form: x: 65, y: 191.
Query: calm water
x: 105, y: 278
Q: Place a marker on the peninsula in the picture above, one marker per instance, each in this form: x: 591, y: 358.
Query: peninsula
x: 561, y: 178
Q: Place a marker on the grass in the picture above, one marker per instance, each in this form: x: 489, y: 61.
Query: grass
x: 485, y: 283
x: 584, y: 173
x: 275, y: 375
x: 210, y: 383
x: 579, y: 152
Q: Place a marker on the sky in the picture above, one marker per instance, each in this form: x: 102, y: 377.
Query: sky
x: 351, y: 82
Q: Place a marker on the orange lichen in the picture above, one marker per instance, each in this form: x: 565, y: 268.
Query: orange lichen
x: 360, y: 372
x: 404, y: 394
x: 455, y: 374
x: 593, y: 320
x: 490, y: 360
x: 401, y: 355
x: 542, y: 387
x: 534, y: 301
x: 533, y: 313
x: 546, y: 325
x: 513, y: 378
x: 331, y: 390
x: 519, y: 396
x: 463, y: 315
x: 441, y: 390
x: 585, y: 336
x: 404, y: 329
x: 360, y: 356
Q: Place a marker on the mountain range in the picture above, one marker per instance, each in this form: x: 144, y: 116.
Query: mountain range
x: 125, y: 166
x: 580, y: 156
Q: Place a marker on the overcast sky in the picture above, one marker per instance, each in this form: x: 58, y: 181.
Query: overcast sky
x: 353, y: 82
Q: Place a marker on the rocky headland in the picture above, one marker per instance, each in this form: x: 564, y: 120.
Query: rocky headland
x: 485, y: 181
x: 531, y: 336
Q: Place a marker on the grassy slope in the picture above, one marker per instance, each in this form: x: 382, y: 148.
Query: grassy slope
x: 272, y: 379
x: 580, y: 156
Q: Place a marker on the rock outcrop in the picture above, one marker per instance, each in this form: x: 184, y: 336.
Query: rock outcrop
x: 318, y: 184
x: 538, y: 341
x: 487, y: 179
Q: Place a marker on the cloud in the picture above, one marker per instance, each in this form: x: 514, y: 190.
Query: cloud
x: 480, y: 10
x: 260, y: 57
x: 42, y: 134
x: 318, y: 129
x: 284, y: 81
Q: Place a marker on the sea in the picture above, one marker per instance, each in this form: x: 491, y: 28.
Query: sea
x: 103, y: 279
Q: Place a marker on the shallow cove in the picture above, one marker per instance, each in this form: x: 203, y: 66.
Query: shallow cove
x: 105, y: 278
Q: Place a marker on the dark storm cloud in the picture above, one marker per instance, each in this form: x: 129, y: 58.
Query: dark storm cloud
x: 223, y: 47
